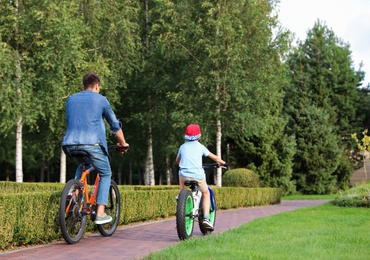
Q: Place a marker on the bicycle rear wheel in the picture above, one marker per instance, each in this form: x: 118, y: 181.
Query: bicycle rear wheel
x: 112, y: 209
x: 212, y: 215
x: 184, y: 215
x: 72, y: 221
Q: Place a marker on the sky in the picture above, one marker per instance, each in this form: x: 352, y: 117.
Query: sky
x: 348, y: 19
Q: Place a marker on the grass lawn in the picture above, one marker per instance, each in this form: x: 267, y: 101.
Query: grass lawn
x: 319, y: 232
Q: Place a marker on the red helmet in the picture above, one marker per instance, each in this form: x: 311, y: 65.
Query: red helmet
x: 192, y: 132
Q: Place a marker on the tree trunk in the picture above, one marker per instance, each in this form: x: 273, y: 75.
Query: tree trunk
x: 218, y: 152
x: 119, y: 177
x: 63, y: 167
x: 218, y: 137
x: 168, y: 170
x: 149, y: 164
x: 130, y: 174
x: 42, y: 171
x: 7, y: 172
x: 18, y: 145
x: 18, y: 157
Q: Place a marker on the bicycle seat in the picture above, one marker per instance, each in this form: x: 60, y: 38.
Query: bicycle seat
x: 191, y: 183
x: 78, y: 153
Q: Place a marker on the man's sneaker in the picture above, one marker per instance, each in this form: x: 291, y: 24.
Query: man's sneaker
x: 207, y: 224
x: 102, y: 220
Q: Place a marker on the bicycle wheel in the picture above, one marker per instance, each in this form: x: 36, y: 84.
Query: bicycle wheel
x: 184, y: 215
x: 212, y: 215
x: 72, y: 222
x: 112, y: 209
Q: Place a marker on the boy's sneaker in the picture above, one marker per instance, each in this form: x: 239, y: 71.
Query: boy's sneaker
x: 207, y: 224
x: 102, y: 220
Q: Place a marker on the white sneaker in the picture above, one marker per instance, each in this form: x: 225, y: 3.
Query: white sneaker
x: 207, y: 224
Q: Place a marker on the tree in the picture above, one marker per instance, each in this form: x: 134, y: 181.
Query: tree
x: 323, y: 92
x: 318, y: 152
x: 227, y: 60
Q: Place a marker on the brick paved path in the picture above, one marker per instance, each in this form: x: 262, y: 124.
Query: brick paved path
x: 137, y: 241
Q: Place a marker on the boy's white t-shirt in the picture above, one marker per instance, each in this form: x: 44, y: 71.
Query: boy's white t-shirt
x: 191, y: 154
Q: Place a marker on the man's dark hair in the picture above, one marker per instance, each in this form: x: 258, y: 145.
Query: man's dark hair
x: 90, y: 79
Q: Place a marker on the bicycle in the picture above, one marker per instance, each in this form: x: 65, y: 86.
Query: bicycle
x: 76, y: 203
x: 189, y: 207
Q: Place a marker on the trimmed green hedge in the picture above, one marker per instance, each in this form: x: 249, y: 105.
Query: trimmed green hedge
x: 7, y: 187
x: 32, y: 217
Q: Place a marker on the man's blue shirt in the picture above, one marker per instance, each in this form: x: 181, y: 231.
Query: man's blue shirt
x: 191, y: 154
x: 85, y: 113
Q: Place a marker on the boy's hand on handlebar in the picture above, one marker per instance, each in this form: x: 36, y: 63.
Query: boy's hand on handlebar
x: 221, y: 163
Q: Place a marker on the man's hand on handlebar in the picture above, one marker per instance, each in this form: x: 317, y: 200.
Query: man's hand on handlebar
x: 123, y: 147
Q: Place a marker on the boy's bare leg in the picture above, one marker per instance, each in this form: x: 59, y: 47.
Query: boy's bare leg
x: 182, y: 185
x: 206, y: 202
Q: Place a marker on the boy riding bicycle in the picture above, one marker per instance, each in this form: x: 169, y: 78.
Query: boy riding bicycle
x: 189, y: 158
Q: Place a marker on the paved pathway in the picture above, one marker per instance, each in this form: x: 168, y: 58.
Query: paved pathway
x: 137, y: 241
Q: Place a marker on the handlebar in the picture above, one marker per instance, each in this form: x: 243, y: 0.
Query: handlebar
x: 121, y: 149
x: 214, y: 165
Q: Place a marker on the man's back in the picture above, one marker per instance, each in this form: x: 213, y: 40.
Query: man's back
x: 84, y: 114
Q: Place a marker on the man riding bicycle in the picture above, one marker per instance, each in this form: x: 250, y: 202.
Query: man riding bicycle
x: 85, y: 113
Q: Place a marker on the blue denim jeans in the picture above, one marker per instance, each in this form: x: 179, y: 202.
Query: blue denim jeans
x: 99, y: 159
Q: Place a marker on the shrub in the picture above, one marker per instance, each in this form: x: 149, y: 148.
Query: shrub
x: 240, y: 178
x: 357, y: 196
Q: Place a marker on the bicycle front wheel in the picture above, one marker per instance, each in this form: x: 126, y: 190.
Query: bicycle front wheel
x: 112, y: 209
x: 72, y: 221
x: 184, y: 215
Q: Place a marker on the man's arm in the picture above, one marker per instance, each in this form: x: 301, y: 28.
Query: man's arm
x: 121, y: 139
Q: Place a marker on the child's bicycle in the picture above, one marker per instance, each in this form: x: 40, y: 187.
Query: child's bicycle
x: 189, y: 207
x: 76, y: 203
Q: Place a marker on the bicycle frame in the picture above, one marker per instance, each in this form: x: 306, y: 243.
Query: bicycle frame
x: 90, y: 200
x: 197, y: 195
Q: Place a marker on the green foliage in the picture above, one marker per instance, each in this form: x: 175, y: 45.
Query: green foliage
x: 205, y: 46
x: 321, y: 103
x: 357, y: 196
x: 169, y: 63
x: 318, y: 154
x: 240, y: 178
